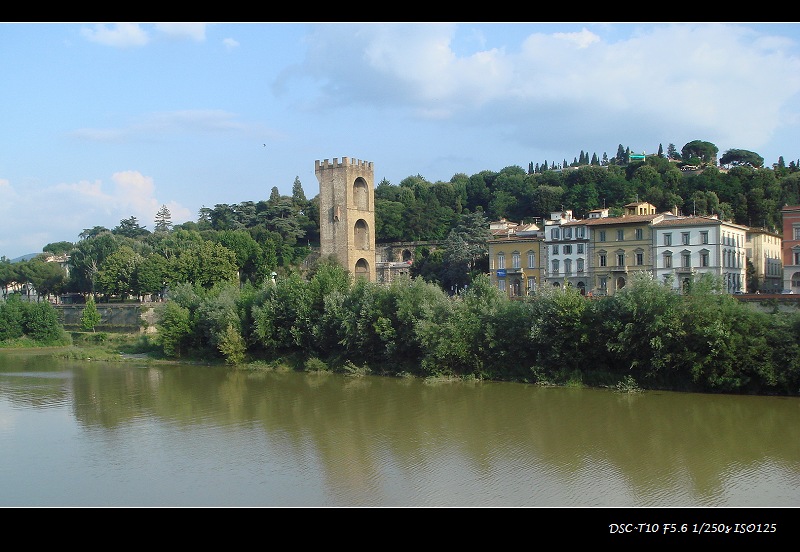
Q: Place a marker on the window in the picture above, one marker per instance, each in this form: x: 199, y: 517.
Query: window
x: 567, y: 233
x: 620, y: 259
x: 579, y: 264
x: 555, y: 266
x: 796, y: 258
x: 639, y: 234
x: 602, y: 259
x: 620, y: 235
x: 704, y: 237
x: 797, y: 232
x: 555, y: 249
x: 580, y: 232
x: 501, y: 261
x: 567, y: 250
x: 685, y: 238
x: 704, y: 258
x: 687, y: 260
x: 501, y: 285
x: 568, y: 266
x: 602, y: 236
x: 667, y: 239
x: 531, y: 284
x: 515, y: 260
x: 554, y: 234
x: 531, y: 259
x: 580, y: 249
x: 639, y: 258
x: 667, y: 260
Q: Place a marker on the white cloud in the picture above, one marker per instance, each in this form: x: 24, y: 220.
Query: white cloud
x: 61, y: 212
x: 693, y: 80
x: 120, y: 35
x: 230, y: 44
x: 583, y: 39
x: 158, y: 124
x: 194, y: 31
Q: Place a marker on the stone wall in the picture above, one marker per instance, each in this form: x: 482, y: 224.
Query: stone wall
x: 129, y: 317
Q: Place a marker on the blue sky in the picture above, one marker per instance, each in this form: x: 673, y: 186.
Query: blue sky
x: 104, y: 121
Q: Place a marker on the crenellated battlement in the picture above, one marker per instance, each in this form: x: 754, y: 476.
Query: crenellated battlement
x: 345, y: 162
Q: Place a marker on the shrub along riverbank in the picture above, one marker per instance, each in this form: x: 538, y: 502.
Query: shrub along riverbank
x: 645, y: 336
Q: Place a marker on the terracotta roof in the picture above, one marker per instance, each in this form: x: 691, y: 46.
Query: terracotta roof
x: 695, y: 221
x: 688, y: 221
x: 620, y: 220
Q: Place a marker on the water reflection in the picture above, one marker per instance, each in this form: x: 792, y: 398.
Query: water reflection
x: 199, y: 435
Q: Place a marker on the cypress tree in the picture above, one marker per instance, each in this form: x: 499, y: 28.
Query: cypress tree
x: 90, y: 316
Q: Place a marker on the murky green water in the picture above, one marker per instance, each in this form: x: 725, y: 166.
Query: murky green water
x: 132, y: 434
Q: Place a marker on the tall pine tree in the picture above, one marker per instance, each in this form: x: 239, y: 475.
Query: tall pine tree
x: 163, y: 222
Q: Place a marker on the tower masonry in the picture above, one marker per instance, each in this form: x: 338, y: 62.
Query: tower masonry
x: 347, y: 214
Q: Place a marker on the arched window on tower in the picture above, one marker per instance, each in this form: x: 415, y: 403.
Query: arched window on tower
x: 361, y: 235
x: 361, y: 194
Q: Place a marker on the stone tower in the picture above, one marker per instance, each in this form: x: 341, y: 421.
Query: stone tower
x: 347, y: 214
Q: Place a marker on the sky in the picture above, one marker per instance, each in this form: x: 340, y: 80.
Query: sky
x: 106, y: 121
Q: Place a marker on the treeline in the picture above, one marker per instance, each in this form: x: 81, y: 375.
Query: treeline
x: 646, y: 336
x: 424, y: 211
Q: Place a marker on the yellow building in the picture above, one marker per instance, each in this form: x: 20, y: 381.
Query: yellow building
x: 620, y: 246
x: 516, y: 257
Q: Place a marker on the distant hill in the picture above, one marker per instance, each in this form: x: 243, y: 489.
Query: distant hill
x: 27, y: 257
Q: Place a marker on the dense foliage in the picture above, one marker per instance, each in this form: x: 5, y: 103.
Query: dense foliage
x: 24, y: 322
x: 704, y: 341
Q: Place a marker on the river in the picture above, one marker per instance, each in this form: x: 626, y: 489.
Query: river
x: 137, y: 434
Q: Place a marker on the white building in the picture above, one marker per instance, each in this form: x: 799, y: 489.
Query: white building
x: 566, y: 244
x: 687, y: 247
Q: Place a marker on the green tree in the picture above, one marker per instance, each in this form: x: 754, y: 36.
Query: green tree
x: 298, y: 195
x: 672, y: 152
x: 86, y: 259
x: 738, y: 157
x: 40, y: 322
x: 130, y: 228
x: 215, y: 317
x: 705, y: 151
x: 90, y: 317
x: 389, y: 221
x: 11, y: 318
x: 203, y: 263
x: 163, y: 221
x: 48, y: 278
x: 283, y: 320
x: 8, y: 275
x: 174, y: 329
x: 150, y: 275
x: 92, y: 232
x: 249, y: 257
x: 58, y: 248
x: 116, y: 275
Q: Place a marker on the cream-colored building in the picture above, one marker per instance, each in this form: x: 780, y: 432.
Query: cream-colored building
x: 763, y: 250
